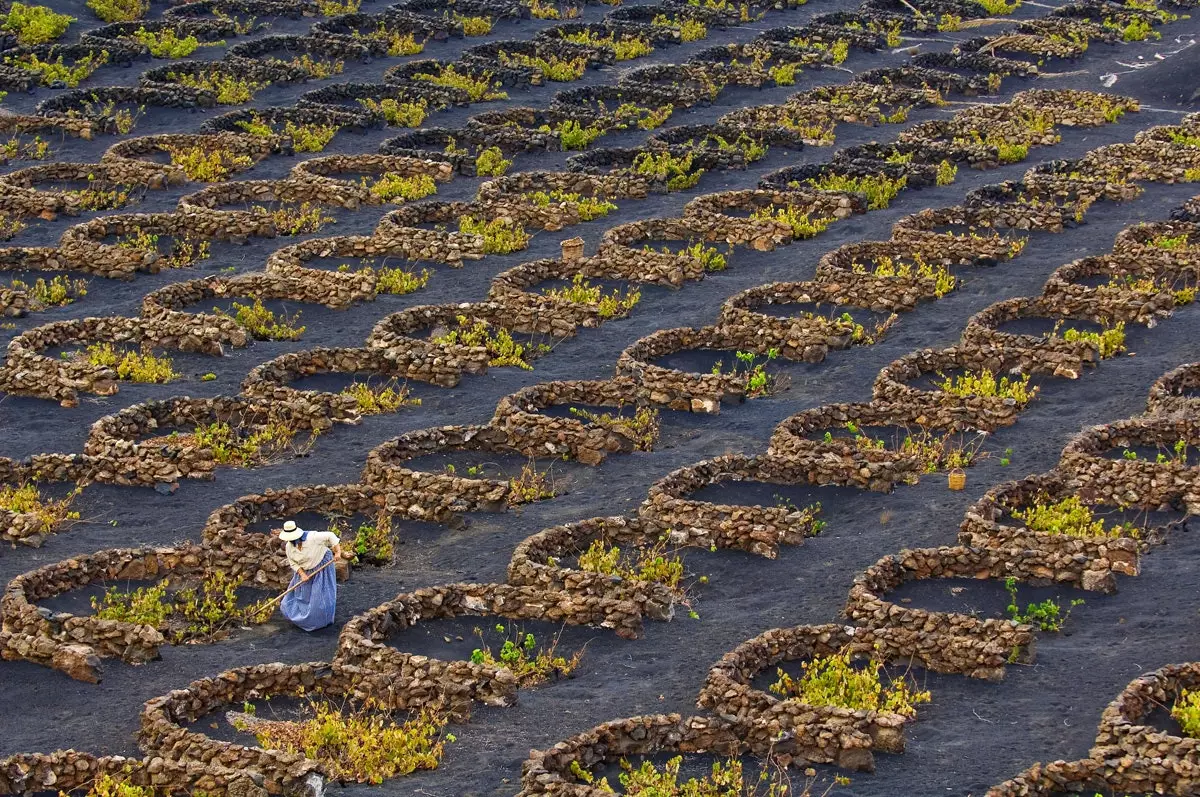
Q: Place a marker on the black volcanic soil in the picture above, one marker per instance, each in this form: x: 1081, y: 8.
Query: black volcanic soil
x: 972, y: 736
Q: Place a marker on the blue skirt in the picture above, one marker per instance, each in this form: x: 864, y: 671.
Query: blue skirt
x: 311, y: 605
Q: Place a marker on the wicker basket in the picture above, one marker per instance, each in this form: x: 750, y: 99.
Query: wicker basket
x: 957, y: 479
x: 572, y: 249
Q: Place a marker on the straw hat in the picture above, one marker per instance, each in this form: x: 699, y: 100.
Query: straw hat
x: 291, y: 531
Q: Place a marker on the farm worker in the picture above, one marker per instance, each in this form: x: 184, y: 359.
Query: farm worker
x: 312, y: 594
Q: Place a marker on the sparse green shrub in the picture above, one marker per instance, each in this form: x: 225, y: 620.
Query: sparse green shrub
x: 100, y: 195
x: 573, y: 136
x: 999, y: 8
x: 521, y: 655
x: 1071, y: 517
x: 498, y: 342
x: 397, y: 281
x: 663, y: 166
x: 397, y: 113
x: 362, y: 744
x: 480, y: 89
x: 318, y: 70
x: 18, y: 149
x: 880, y: 190
x: 52, y: 72
x: 473, y: 26
x: 553, y: 68
x: 751, y: 369
x: 10, y: 226
x: 296, y: 219
x: 1046, y: 615
x: 263, y: 323
x: 333, y: 8
x: 166, y: 43
x: 540, y: 10
x: 589, y: 208
x: 27, y: 499
x: 985, y: 384
x: 241, y: 446
x: 207, y: 165
x: 500, y: 236
x: 35, y: 24
x: 491, y: 163
x: 1110, y: 341
x: 131, y: 366
x: 184, y: 251
x: 833, y: 680
x: 624, y: 49
x: 119, y: 10
x: 581, y: 291
x: 946, y: 172
x: 652, y: 563
x: 643, y: 426
x: 690, y: 30
x: 726, y: 779
x: 1186, y: 712
x: 392, y: 185
x: 886, y: 266
x: 644, y: 118
x: 58, y: 291
x: 230, y: 90
x: 380, y: 398
x: 398, y: 44
x: 803, y: 226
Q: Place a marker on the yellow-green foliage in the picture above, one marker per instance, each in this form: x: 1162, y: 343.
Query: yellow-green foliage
x: 392, y: 185
x: 360, y: 745
x: 727, y: 779
x: 318, y: 70
x: 946, y: 172
x: 540, y: 10
x: 803, y: 226
x: 625, y: 48
x: 478, y: 89
x: 521, y: 655
x: 500, y: 236
x: 880, y: 190
x: 751, y: 372
x: 572, y: 135
x: 1170, y: 242
x: 374, y: 543
x: 380, y: 398
x: 332, y: 8
x: 1185, y: 138
x: 552, y: 68
x: 1110, y: 342
x: 885, y: 266
x: 398, y: 44
x: 663, y: 166
x: 55, y: 292
x: 581, y: 291
x: 1136, y: 30
x: 589, y: 208
x: 230, y: 90
x: 262, y: 323
x: 119, y: 10
x: 17, y: 149
x: 654, y: 563
x: 109, y: 786
x: 27, y: 499
x: 305, y: 137
x: 690, y: 30
x: 56, y: 71
x: 643, y: 426
x: 999, y: 8
x: 97, y: 196
x: 530, y: 485
x: 10, y: 226
x: 949, y: 23
x: 205, y: 613
x: 645, y: 118
x: 130, y: 365
x: 184, y: 251
x: 710, y: 258
x: 1071, y: 517
x: 296, y: 219
x: 1186, y: 712
x: 473, y: 26
x: 166, y: 43
x: 397, y: 113
x: 395, y: 281
x: 833, y: 680
x: 985, y: 384
x: 491, y: 163
x: 241, y: 447
x: 497, y: 341
x: 35, y: 24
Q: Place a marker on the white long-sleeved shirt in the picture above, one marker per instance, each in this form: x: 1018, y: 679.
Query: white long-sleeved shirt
x: 308, y: 557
